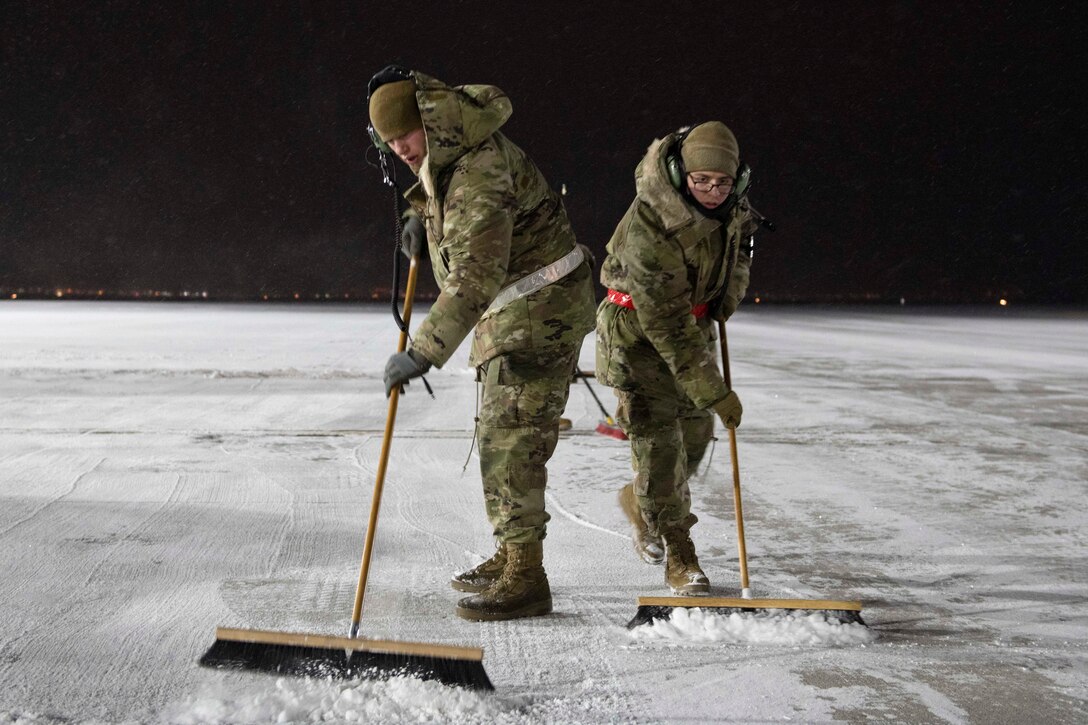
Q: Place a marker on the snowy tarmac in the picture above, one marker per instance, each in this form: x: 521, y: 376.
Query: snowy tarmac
x: 167, y: 468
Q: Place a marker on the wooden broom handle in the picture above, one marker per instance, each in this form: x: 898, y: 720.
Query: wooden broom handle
x: 737, y: 508
x: 387, y: 440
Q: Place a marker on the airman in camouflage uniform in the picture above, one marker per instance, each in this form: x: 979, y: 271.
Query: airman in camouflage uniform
x: 678, y: 259
x: 491, y: 220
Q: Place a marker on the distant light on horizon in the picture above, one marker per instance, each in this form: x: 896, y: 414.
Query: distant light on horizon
x: 1003, y: 302
x: 79, y: 293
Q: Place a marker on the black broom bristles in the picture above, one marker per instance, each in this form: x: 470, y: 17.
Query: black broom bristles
x: 323, y: 662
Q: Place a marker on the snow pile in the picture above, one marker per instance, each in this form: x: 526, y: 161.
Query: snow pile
x: 764, y: 627
x: 398, y: 699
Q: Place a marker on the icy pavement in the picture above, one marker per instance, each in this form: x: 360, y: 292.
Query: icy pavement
x: 168, y: 468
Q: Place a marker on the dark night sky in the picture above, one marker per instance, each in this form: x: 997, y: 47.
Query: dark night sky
x: 929, y: 149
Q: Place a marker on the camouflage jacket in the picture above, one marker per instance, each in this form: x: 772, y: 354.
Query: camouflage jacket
x: 491, y: 219
x: 669, y: 257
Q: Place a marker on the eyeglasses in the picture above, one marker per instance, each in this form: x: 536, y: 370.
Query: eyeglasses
x: 705, y: 185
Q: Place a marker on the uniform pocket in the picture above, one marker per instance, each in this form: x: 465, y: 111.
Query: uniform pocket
x: 625, y: 358
x: 507, y: 330
x: 611, y: 370
x: 526, y: 366
x: 527, y: 387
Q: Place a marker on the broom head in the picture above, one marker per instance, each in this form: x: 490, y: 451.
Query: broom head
x: 315, y: 655
x: 661, y: 608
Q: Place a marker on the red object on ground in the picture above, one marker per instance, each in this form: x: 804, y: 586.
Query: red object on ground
x: 611, y: 431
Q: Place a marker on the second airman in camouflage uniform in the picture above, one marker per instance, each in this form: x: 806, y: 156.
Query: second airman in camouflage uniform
x: 678, y: 259
x: 509, y: 272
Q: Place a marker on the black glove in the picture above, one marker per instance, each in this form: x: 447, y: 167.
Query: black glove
x: 413, y: 237
x: 402, y: 367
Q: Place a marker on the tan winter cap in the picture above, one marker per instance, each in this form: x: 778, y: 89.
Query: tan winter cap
x: 711, y: 146
x: 393, y: 110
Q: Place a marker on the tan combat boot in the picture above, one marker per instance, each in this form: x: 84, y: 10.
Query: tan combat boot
x: 521, y: 591
x: 647, y: 543
x: 682, y: 572
x: 483, y: 575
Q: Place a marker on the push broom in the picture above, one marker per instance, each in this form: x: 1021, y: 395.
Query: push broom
x: 353, y: 657
x: 661, y: 608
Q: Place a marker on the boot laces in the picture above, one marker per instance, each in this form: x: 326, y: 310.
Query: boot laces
x: 682, y: 551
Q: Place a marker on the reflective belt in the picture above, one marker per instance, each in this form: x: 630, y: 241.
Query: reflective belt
x: 624, y: 300
x: 538, y: 280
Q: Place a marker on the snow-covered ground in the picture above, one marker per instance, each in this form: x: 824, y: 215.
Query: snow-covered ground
x: 166, y: 468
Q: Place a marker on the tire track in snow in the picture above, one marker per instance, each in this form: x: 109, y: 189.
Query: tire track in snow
x: 406, y: 507
x: 71, y: 489
x: 134, y: 534
x: 17, y: 458
x: 287, y: 523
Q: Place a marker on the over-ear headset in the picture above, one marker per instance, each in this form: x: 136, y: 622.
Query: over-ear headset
x: 674, y: 167
x: 674, y: 163
x: 388, y: 74
x: 377, y: 140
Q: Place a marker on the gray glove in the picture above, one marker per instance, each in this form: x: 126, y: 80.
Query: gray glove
x: 729, y: 410
x: 413, y: 238
x: 402, y: 367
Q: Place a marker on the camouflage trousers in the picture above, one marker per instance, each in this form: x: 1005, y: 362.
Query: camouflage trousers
x: 669, y: 437
x: 524, y: 394
x: 668, y: 434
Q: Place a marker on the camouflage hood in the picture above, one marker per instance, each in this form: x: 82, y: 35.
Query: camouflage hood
x: 491, y: 219
x: 652, y: 186
x: 457, y: 119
